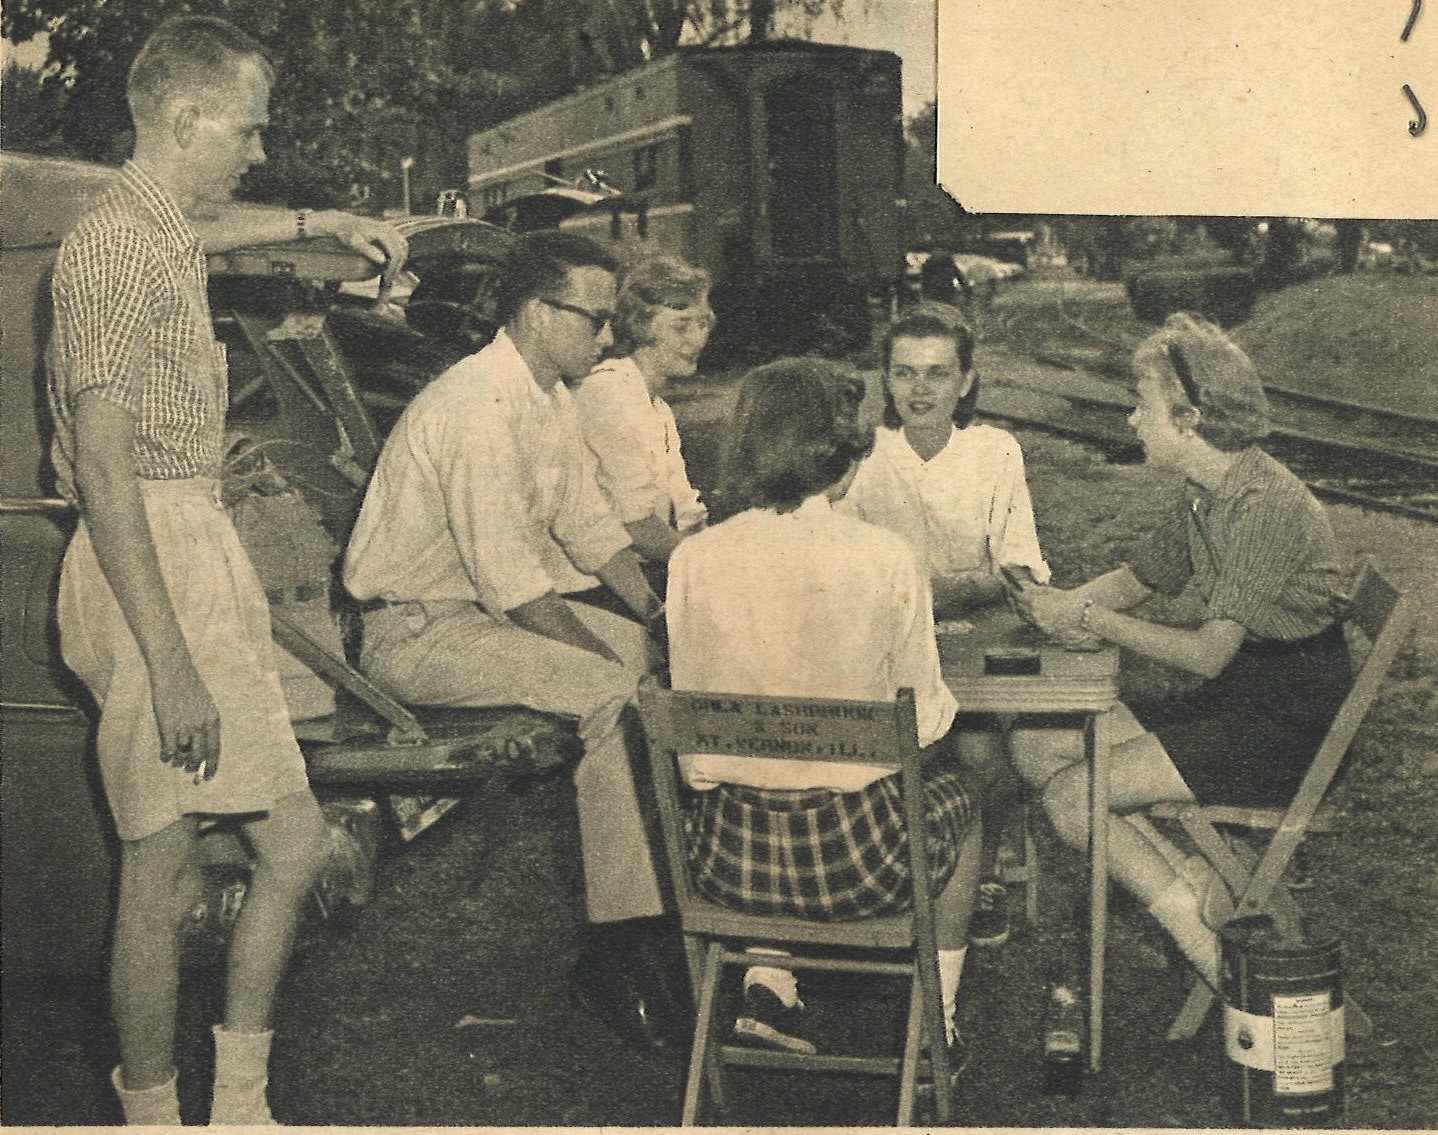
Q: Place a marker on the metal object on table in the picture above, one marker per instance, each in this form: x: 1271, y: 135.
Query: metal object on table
x: 1003, y: 666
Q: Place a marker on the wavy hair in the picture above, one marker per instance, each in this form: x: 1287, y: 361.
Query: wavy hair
x: 1208, y: 380
x: 538, y: 264
x: 647, y: 288
x: 933, y: 320
x: 794, y: 432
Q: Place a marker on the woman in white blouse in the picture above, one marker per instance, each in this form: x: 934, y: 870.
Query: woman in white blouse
x: 953, y: 489
x: 956, y: 491
x: 662, y: 321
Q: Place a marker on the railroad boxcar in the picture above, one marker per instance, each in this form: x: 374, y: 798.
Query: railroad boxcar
x: 777, y: 166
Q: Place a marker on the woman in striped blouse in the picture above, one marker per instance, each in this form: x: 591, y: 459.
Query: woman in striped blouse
x: 1248, y: 553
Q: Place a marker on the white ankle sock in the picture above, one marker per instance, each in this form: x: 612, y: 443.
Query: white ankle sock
x: 951, y: 968
x: 158, y: 1106
x: 781, y: 982
x: 242, y: 1073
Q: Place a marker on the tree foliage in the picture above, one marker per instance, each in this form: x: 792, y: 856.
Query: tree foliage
x: 361, y: 84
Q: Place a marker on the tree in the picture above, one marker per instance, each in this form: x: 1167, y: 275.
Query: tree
x: 362, y: 84
x: 32, y: 112
x: 357, y: 82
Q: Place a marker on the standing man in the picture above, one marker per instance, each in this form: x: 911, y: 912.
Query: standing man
x: 484, y: 512
x: 160, y: 611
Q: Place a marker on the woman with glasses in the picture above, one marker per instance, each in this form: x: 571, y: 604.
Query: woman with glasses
x: 1251, y: 570
x: 662, y: 321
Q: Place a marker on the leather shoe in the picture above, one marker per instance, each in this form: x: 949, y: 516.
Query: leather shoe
x: 629, y: 1000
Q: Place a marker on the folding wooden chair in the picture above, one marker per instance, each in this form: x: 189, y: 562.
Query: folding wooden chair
x: 1377, y: 615
x: 871, y: 733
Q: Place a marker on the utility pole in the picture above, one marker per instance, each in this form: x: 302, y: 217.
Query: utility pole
x: 405, y: 165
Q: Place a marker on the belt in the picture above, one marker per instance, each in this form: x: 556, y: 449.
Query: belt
x: 1330, y: 638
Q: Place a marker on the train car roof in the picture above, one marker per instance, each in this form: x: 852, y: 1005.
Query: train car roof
x: 689, y: 55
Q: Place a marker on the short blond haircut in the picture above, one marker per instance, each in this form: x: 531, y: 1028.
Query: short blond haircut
x: 196, y: 56
x: 650, y: 286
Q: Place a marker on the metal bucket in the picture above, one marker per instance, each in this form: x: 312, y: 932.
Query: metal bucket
x: 1283, y: 1027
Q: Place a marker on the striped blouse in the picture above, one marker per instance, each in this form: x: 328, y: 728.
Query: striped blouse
x: 132, y: 321
x: 1257, y: 550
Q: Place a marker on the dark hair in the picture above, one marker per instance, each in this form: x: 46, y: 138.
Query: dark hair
x: 646, y: 288
x: 195, y: 55
x: 794, y: 432
x: 538, y: 263
x: 1207, y: 379
x: 933, y: 320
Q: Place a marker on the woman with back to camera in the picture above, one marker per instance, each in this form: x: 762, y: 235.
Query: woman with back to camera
x: 1248, y: 554
x: 956, y: 491
x: 662, y: 321
x: 785, y: 596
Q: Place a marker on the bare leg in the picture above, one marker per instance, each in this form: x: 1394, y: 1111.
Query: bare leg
x: 954, y: 905
x: 158, y: 880
x: 1164, y: 846
x: 995, y: 787
x: 1142, y: 774
x: 289, y: 845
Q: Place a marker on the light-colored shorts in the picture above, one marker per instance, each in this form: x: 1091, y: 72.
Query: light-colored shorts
x: 224, y: 618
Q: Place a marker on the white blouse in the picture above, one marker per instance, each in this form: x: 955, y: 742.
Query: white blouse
x: 636, y: 444
x: 806, y: 603
x: 966, y: 509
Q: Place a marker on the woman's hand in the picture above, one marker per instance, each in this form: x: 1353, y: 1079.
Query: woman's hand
x: 1052, y: 609
x: 954, y: 595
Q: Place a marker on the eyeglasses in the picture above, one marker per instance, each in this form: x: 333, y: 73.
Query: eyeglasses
x: 598, y: 320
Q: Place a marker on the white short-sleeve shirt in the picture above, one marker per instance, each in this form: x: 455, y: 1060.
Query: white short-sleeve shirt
x: 484, y: 491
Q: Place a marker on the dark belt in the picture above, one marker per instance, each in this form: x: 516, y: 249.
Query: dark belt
x: 1330, y: 638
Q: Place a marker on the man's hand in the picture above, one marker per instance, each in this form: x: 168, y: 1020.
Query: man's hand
x: 188, y: 719
x: 378, y: 240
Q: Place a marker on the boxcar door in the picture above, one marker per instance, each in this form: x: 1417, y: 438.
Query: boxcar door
x: 803, y: 178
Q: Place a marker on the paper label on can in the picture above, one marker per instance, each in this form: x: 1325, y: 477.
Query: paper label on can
x: 1303, y: 1043
x: 1300, y: 1044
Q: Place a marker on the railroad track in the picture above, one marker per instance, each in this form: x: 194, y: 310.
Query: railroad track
x: 1370, y: 471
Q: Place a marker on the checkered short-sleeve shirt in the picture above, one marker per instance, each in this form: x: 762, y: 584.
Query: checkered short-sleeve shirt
x: 132, y: 321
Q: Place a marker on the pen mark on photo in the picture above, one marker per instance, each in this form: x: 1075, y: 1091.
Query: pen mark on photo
x: 1415, y: 127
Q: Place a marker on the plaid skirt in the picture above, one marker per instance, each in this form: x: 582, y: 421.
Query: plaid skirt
x: 818, y: 854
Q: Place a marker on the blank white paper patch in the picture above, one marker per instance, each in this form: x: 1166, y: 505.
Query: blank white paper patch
x: 1217, y: 107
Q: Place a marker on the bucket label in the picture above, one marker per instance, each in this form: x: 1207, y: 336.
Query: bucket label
x: 1303, y: 1043
x: 1300, y: 1044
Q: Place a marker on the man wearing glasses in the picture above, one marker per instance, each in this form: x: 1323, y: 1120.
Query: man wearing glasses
x: 482, y: 515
